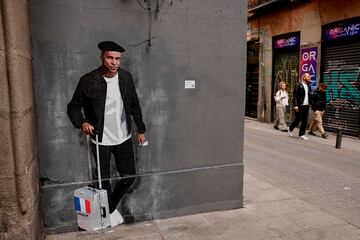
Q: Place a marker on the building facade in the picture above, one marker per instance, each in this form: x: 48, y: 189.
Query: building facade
x: 319, y: 37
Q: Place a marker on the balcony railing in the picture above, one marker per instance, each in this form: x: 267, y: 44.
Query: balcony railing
x: 254, y: 3
x: 266, y: 6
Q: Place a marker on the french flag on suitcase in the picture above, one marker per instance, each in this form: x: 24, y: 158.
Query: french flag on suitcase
x: 82, y: 205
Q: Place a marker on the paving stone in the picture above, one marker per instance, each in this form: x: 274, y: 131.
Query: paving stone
x: 314, y: 219
x: 130, y: 231
x: 267, y: 195
x: 280, y: 237
x: 179, y: 224
x: 178, y: 236
x: 256, y: 184
x: 300, y: 205
x: 222, y: 218
x: 334, y: 232
x: 276, y: 208
x: 254, y: 230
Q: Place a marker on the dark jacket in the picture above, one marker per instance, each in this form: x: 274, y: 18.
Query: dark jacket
x: 299, y: 95
x: 90, y: 97
x: 318, y: 101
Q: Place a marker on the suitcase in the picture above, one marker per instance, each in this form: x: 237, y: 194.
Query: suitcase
x: 91, y: 204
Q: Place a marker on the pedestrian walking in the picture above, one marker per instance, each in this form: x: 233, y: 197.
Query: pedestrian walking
x: 104, y: 100
x: 301, y: 99
x: 318, y: 106
x: 281, y: 100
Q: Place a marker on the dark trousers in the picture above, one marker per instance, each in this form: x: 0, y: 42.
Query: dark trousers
x: 125, y: 165
x: 301, y: 116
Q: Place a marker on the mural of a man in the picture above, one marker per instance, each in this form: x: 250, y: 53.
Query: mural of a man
x: 104, y: 100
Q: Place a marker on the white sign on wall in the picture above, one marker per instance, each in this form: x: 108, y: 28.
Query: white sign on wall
x: 189, y: 84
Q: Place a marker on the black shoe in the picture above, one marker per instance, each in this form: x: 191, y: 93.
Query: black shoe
x: 276, y: 127
x: 284, y: 130
x: 325, y: 136
x: 311, y: 133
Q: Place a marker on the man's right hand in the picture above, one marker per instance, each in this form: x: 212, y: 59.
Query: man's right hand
x: 296, y: 109
x: 87, y: 128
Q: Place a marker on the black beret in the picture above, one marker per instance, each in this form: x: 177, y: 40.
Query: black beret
x: 110, y: 46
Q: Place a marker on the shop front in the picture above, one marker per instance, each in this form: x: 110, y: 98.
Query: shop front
x: 285, y: 66
x: 340, y: 71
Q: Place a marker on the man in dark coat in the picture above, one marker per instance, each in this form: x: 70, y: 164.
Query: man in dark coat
x: 104, y: 101
x: 318, y: 106
x: 302, y: 100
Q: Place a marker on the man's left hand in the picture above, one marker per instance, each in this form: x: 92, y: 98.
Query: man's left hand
x: 141, y: 138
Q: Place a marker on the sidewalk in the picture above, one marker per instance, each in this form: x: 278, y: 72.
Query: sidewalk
x: 269, y: 213
x: 348, y: 142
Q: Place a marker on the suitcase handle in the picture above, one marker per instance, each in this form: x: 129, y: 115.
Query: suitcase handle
x: 103, y: 212
x: 98, y: 159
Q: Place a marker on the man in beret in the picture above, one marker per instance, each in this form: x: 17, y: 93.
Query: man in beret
x: 104, y: 100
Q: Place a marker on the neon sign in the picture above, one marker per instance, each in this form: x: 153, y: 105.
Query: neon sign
x: 342, y: 30
x: 290, y: 41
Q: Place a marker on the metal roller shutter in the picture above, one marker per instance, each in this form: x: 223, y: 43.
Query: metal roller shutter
x: 252, y: 89
x: 252, y: 79
x: 340, y: 71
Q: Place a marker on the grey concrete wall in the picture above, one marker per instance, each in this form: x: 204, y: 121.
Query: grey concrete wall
x: 194, y: 161
x: 19, y: 188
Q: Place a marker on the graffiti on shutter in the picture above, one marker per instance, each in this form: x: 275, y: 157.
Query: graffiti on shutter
x: 341, y: 72
x: 343, y: 98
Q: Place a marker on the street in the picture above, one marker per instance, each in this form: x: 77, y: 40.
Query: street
x: 314, y: 170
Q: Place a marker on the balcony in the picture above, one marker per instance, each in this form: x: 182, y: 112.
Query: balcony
x: 261, y: 7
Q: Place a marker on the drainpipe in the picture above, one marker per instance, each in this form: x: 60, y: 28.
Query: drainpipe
x: 262, y: 71
x: 263, y: 95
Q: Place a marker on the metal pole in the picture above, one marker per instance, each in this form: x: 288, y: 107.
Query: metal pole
x: 338, y: 139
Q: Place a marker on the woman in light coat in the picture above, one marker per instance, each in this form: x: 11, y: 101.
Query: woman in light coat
x: 282, y: 100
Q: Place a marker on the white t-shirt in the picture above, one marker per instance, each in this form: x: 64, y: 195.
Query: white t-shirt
x: 115, y: 126
x: 306, y: 98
